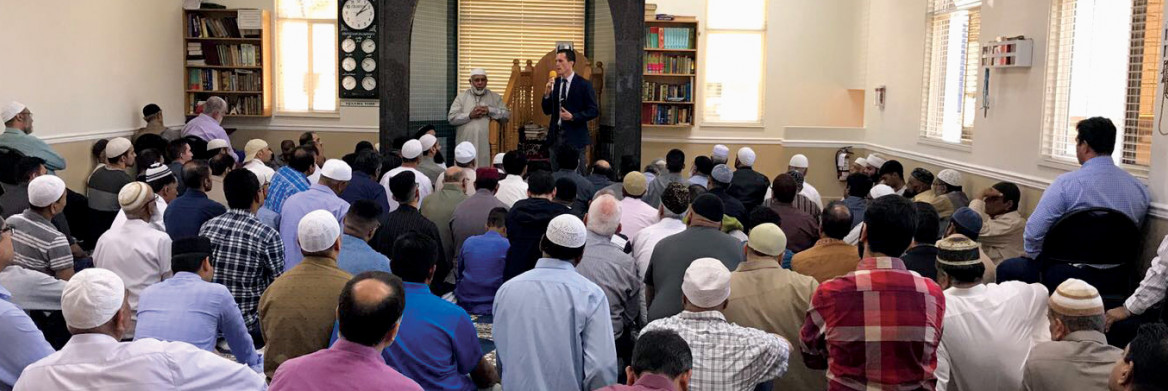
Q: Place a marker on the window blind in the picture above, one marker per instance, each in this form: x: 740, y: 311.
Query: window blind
x: 494, y: 33
x: 951, y: 70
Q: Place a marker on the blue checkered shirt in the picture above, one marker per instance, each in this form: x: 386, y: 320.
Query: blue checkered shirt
x: 247, y: 256
x: 284, y: 184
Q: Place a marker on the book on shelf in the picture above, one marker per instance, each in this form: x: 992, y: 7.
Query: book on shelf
x: 224, y: 80
x: 202, y: 26
x: 665, y: 92
x: 665, y: 63
x: 236, y: 105
x: 669, y: 37
x: 664, y: 114
x: 216, y: 54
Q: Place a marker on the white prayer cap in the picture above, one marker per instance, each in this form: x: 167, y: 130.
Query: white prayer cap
x: 134, y: 195
x: 567, y: 231
x: 411, y: 149
x: 746, y: 156
x: 157, y: 171
x: 318, y: 231
x: 478, y: 72
x: 706, y: 283
x: 377, y: 146
x: 880, y: 191
x: 768, y: 239
x: 11, y: 110
x: 875, y: 161
x: 1075, y: 297
x: 45, y: 190
x: 861, y: 161
x: 336, y: 170
x: 798, y: 161
x: 253, y: 147
x: 428, y: 141
x: 498, y: 158
x: 950, y: 177
x: 116, y: 147
x: 214, y: 144
x: 721, y: 151
x: 91, y: 298
x: 465, y: 152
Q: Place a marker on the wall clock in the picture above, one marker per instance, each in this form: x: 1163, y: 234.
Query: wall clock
x: 357, y: 30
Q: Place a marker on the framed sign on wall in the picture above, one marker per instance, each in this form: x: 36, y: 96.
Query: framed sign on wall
x: 358, y: 54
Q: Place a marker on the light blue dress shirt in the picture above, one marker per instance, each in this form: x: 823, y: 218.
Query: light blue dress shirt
x: 1098, y: 184
x: 357, y: 257
x: 30, y: 145
x: 187, y: 309
x: 22, y: 342
x: 553, y: 330
x: 317, y: 197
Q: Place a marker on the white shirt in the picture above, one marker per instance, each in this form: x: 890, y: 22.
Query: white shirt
x: 1151, y: 289
x: 636, y: 215
x: 137, y: 253
x: 315, y: 177
x: 98, y: 362
x: 511, y: 190
x: 155, y: 220
x: 812, y: 194
x: 645, y: 240
x: 32, y: 290
x: 262, y: 171
x: 989, y: 330
x: 423, y: 182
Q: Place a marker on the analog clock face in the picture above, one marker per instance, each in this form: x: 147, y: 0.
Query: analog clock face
x: 368, y: 65
x: 348, y: 45
x: 358, y: 14
x: 349, y: 83
x: 348, y: 64
x: 368, y: 83
x: 368, y: 45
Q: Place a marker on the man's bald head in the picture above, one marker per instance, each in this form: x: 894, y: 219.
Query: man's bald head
x: 453, y: 175
x: 370, y: 306
x: 836, y: 221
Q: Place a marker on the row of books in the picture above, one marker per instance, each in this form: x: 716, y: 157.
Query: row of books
x: 669, y: 37
x: 662, y: 63
x: 199, y: 26
x: 236, y: 105
x: 661, y: 92
x: 666, y: 115
x: 207, y: 53
x: 217, y: 80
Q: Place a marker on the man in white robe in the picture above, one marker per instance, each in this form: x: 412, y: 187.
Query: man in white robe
x: 472, y: 112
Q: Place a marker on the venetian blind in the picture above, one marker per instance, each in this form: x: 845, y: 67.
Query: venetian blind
x: 494, y: 33
x: 951, y: 70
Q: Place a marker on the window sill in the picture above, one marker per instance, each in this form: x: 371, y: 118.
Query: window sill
x: 946, y: 145
x: 302, y: 114
x: 738, y: 125
x: 1057, y: 164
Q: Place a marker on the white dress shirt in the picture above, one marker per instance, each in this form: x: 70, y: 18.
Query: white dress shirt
x: 137, y: 253
x: 425, y: 187
x: 1151, y: 289
x: 645, y: 240
x: 32, y: 290
x: 511, y: 190
x: 315, y: 177
x: 262, y: 171
x: 155, y: 220
x: 812, y: 194
x: 98, y: 362
x: 636, y: 215
x: 989, y: 330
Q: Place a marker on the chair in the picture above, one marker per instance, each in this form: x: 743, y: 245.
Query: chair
x: 1094, y: 236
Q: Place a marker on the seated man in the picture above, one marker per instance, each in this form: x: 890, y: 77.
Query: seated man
x: 363, y: 186
x: 674, y: 165
x: 17, y: 135
x: 636, y: 214
x: 920, y: 186
x: 291, y: 179
x: 967, y: 223
x: 948, y: 185
x: 96, y: 311
x: 107, y: 180
x: 206, y: 125
x: 1002, y: 225
x: 1078, y: 356
x: 38, y: 245
x: 801, y: 228
x: 661, y: 361
x: 831, y: 257
x: 1143, y: 361
x: 892, y: 174
x: 136, y: 252
x: 800, y: 164
x: 921, y: 256
x: 606, y: 264
x: 404, y: 188
x: 188, y: 212
x: 165, y: 187
x: 480, y: 265
x: 220, y: 166
x: 857, y: 192
x: 324, y: 195
x: 360, y: 224
x: 747, y: 185
x: 527, y: 221
x: 23, y: 342
x: 189, y: 308
x: 256, y: 157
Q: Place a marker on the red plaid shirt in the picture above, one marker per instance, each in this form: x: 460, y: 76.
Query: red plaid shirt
x: 876, y: 328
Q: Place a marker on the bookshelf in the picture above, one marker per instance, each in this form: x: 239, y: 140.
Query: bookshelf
x: 225, y: 61
x: 670, y: 72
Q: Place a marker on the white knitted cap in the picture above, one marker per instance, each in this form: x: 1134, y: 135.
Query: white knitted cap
x: 875, y: 161
x: 91, y: 298
x: 880, y: 191
x: 1075, y: 297
x: 214, y: 144
x: 746, y: 156
x: 428, y: 141
x: 117, y: 146
x: 706, y: 283
x: 134, y: 195
x: 11, y: 110
x: 45, y: 190
x: 721, y: 151
x: 318, y: 231
x: 798, y: 161
x: 465, y: 152
x: 337, y: 170
x: 861, y: 161
x: 411, y: 149
x: 950, y: 177
x: 478, y: 72
x: 567, y: 231
x: 498, y: 158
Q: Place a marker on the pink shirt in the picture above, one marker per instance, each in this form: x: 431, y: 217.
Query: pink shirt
x: 344, y: 366
x: 646, y: 382
x: 206, y: 128
x: 635, y: 215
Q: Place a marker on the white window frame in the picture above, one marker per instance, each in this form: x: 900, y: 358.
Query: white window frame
x: 935, y: 91
x: 703, y: 72
x: 278, y: 85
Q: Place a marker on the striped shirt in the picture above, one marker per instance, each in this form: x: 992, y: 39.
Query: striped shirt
x: 104, y: 185
x: 38, y: 244
x: 247, y: 255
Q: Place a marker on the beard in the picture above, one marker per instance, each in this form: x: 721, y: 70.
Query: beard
x: 478, y: 91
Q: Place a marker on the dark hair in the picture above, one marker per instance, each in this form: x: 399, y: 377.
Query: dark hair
x: 302, y: 159
x: 892, y: 167
x: 836, y: 220
x: 97, y: 149
x: 785, y: 188
x: 928, y: 223
x: 859, y: 185
x: 963, y: 273
x: 483, y: 183
x: 569, y: 54
x: 413, y: 256
x: 399, y: 141
x: 559, y: 252
x: 194, y: 172
x: 306, y: 137
x: 565, y: 189
x: 514, y: 162
x: 367, y: 161
x: 1148, y: 354
x: 187, y: 263
x: 175, y: 148
x: 567, y: 157
x: 628, y: 164
x: 220, y: 163
x: 597, y: 169
x: 891, y: 223
x: 541, y: 182
x: 695, y: 191
x: 389, y: 162
x: 26, y: 167
x: 704, y: 165
x: 662, y: 352
x: 350, y: 159
x: 240, y: 188
x: 403, y: 189
x: 675, y: 160
x: 1010, y: 192
x: 538, y: 165
x: 158, y: 184
x: 369, y: 323
x: 363, y: 146
x: 145, y: 158
x: 363, y: 214
x: 497, y: 217
x: 425, y: 129
x: 1098, y: 133
x: 761, y: 215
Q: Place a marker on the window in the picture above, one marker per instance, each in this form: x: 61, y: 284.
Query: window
x: 1103, y: 61
x: 492, y: 34
x: 735, y: 35
x: 951, y: 66
x: 306, y: 51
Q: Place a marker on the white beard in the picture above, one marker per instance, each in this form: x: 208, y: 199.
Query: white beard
x: 478, y: 92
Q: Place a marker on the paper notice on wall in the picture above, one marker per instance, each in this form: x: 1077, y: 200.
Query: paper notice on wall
x: 192, y: 4
x: 250, y: 19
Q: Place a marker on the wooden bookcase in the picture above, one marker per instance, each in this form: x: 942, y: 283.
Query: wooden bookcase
x: 222, y: 60
x: 670, y: 73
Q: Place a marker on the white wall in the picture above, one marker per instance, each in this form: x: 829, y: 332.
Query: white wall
x: 88, y: 67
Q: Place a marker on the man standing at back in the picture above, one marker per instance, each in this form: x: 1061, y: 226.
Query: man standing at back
x: 570, y: 101
x: 206, y: 125
x: 513, y: 188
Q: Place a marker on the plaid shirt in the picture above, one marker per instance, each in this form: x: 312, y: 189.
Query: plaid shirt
x: 247, y: 256
x: 877, y: 328
x: 727, y: 356
x: 284, y: 184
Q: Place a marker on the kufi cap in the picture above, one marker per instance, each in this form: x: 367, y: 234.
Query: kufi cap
x: 950, y: 177
x: 721, y: 151
x: 253, y: 147
x: 211, y: 145
x: 411, y: 149
x: 958, y: 250
x: 135, y: 195
x: 336, y: 170
x: 11, y: 110
x: 861, y: 161
x: 709, y: 206
x: 675, y: 198
x: 1074, y: 297
x: 722, y: 173
x: 428, y: 141
x: 151, y: 109
x: 967, y: 219
x: 567, y: 231
x: 464, y: 152
x: 746, y: 156
x: 45, y: 190
x: 706, y: 283
x: 117, y: 146
x: 768, y: 239
x: 635, y: 184
x: 196, y: 247
x: 91, y: 298
x: 498, y: 158
x: 798, y: 161
x: 157, y: 171
x: 880, y: 191
x: 478, y: 72
x: 486, y: 173
x: 874, y: 161
x: 318, y: 231
x: 923, y: 175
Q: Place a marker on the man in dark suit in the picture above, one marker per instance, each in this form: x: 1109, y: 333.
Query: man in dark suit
x: 571, y: 102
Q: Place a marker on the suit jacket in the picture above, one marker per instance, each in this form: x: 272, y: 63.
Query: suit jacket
x: 581, y: 102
